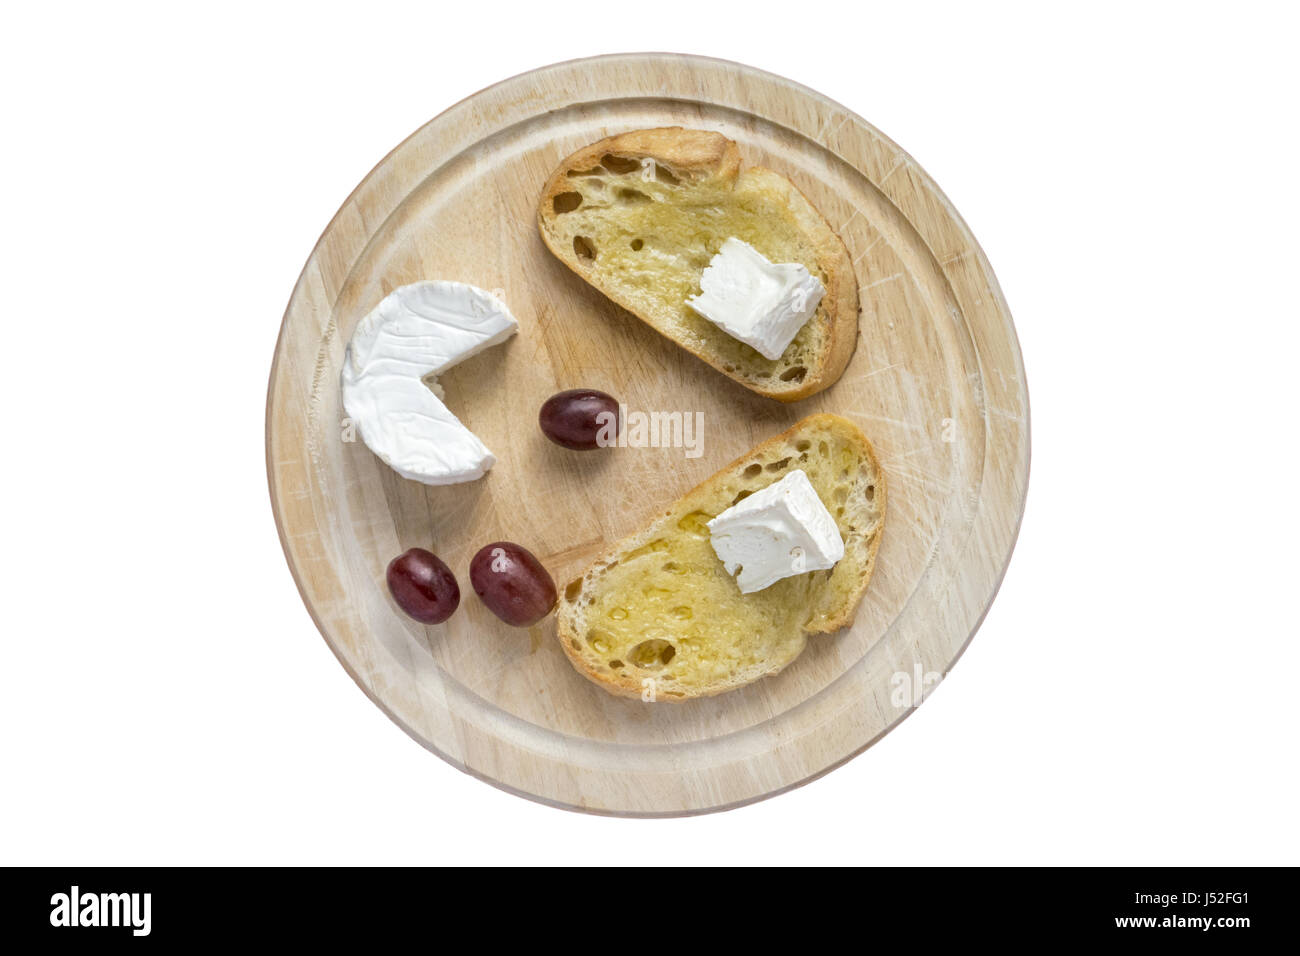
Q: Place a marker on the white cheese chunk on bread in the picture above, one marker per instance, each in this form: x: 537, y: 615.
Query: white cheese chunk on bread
x: 390, y: 391
x: 659, y: 617
x: 784, y: 529
x: 763, y: 304
x: 640, y: 216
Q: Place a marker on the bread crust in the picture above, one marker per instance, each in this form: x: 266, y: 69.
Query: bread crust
x: 698, y: 155
x: 627, y: 685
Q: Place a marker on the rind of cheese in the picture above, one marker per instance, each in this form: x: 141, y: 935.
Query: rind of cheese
x: 414, y: 334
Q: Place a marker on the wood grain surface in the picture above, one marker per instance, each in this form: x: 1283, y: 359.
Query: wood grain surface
x: 936, y: 382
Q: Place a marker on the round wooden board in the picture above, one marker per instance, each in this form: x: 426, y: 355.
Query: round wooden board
x: 936, y: 382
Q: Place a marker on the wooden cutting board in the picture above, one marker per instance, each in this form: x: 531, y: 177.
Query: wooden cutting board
x: 936, y: 382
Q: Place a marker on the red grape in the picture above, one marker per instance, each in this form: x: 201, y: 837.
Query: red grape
x: 575, y: 418
x: 423, y: 586
x: 512, y: 583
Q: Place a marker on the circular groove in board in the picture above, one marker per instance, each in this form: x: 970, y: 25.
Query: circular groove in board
x: 936, y: 382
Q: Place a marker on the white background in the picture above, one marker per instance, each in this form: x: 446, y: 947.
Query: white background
x: 1131, y: 171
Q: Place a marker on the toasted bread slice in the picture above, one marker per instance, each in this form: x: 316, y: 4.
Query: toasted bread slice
x: 660, y: 611
x: 640, y: 215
